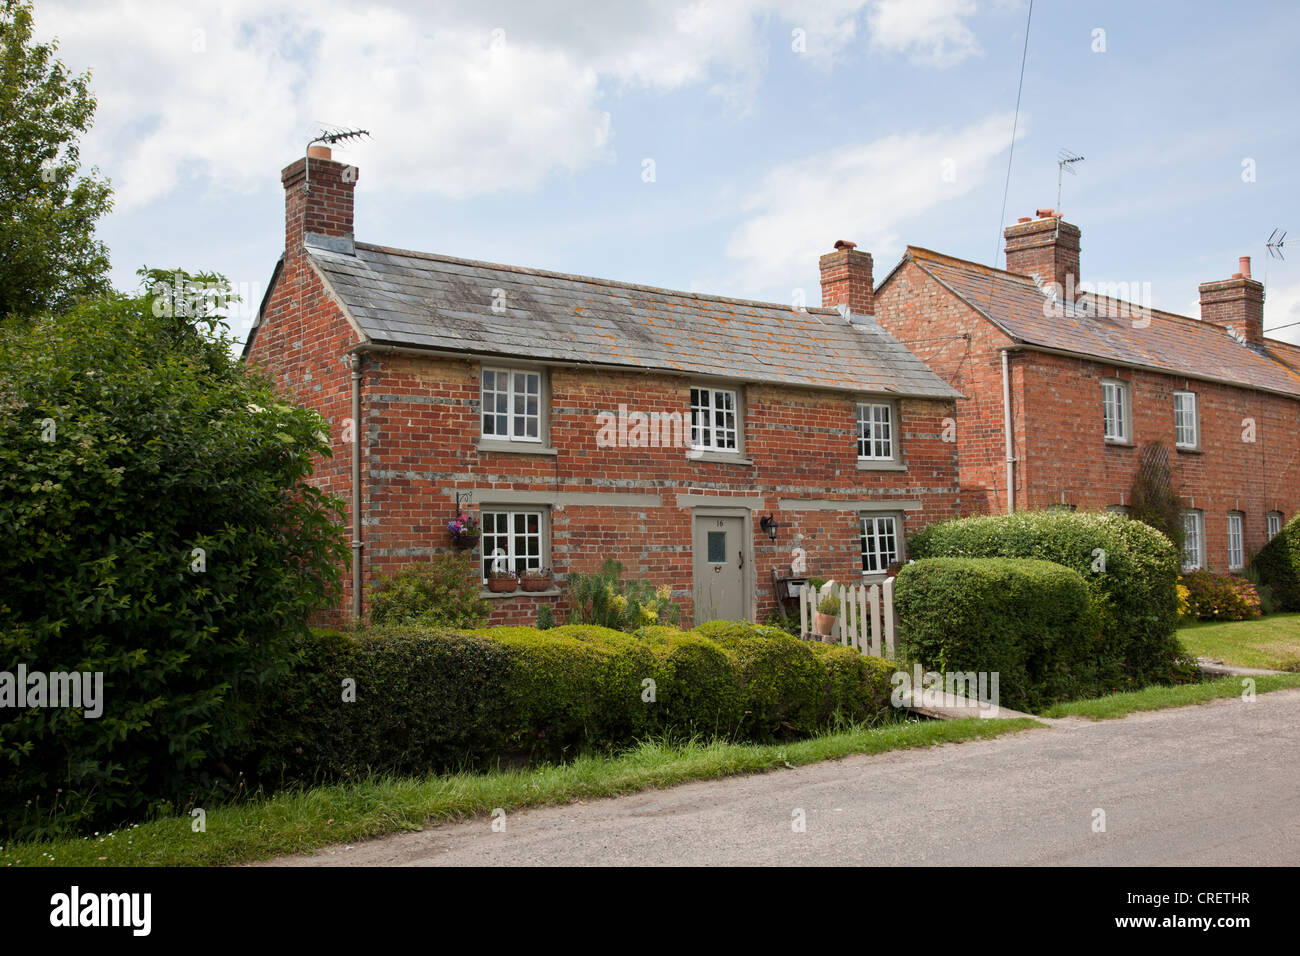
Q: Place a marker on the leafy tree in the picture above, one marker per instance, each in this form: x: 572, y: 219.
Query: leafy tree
x: 49, y: 256
x: 159, y: 530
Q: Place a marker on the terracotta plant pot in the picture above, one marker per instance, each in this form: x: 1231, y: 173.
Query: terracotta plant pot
x: 535, y: 583
x: 503, y: 585
x: 823, y: 623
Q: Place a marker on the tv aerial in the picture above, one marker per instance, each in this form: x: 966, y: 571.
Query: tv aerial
x: 329, y: 138
x: 1065, y: 160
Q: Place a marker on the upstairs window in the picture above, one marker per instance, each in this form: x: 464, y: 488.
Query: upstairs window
x: 1274, y: 523
x: 714, y: 420
x: 1116, y: 411
x: 876, y: 432
x: 1193, y: 541
x: 512, y: 404
x: 1236, y: 547
x: 1186, y: 429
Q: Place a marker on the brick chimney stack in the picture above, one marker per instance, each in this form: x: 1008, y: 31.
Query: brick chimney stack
x: 846, y: 279
x: 1236, y: 303
x: 319, y: 204
x: 1046, y: 247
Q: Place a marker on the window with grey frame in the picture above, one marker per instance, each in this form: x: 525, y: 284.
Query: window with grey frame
x: 877, y: 439
x: 715, y: 419
x: 513, y: 539
x: 880, y: 542
x: 1193, y: 541
x: 511, y: 401
x: 1236, y: 541
x: 1273, y: 524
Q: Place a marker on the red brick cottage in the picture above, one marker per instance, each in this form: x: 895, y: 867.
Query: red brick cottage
x: 1065, y: 386
x: 581, y: 419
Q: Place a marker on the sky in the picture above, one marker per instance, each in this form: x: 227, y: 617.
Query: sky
x: 717, y: 146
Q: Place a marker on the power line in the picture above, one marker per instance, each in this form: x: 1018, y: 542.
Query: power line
x: 1015, y: 125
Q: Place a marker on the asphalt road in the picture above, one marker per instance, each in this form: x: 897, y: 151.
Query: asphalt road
x: 1212, y: 784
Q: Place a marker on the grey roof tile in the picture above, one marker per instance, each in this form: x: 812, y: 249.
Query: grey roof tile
x: 437, y: 302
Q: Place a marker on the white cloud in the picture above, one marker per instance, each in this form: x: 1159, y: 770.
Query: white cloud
x: 928, y: 32
x: 862, y: 192
x: 222, y: 94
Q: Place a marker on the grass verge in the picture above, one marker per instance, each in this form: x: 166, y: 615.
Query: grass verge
x: 1156, y: 698
x: 1271, y: 643
x: 304, y: 820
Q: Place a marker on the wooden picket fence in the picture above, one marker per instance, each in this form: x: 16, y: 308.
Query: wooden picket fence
x: 866, y: 619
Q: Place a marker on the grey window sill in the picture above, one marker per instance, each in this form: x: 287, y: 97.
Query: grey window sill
x: 1189, y: 451
x: 867, y: 464
x: 1112, y: 443
x: 722, y: 457
x: 515, y: 447
x: 520, y: 592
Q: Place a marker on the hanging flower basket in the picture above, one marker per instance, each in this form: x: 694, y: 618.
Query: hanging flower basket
x: 464, y: 531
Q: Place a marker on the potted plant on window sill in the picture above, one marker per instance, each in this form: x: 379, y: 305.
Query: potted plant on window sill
x: 828, y: 609
x: 535, y: 579
x: 502, y: 582
x: 464, y: 531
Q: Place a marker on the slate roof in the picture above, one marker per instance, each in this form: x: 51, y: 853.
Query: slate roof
x: 1111, y: 330
x: 421, y: 300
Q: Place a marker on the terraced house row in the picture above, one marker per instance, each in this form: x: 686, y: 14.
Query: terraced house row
x: 699, y: 439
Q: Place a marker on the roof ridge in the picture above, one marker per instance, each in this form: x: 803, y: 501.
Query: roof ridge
x: 594, y: 280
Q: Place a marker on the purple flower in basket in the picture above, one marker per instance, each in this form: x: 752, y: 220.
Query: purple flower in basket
x: 463, y: 526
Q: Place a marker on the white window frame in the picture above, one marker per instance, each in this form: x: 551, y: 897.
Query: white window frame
x: 874, y: 529
x: 1273, y: 524
x: 1116, y: 397
x: 1193, y: 424
x: 488, y: 515
x: 1236, y: 541
x: 1195, y: 535
x: 513, y: 393
x: 714, y: 407
x: 875, y: 430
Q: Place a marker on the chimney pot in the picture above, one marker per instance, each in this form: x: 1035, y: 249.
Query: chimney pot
x: 1024, y: 219
x: 1046, y: 213
x: 845, y: 244
x: 319, y: 152
x: 1243, y: 266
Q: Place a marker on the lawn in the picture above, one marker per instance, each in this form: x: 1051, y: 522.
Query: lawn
x: 304, y: 820
x: 1159, y: 697
x: 1271, y: 642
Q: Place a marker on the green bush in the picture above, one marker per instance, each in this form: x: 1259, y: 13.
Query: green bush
x: 1220, y: 597
x: 430, y: 699
x: 1278, y: 565
x: 1131, y: 571
x: 607, y: 600
x: 1031, y: 622
x: 158, y: 529
x: 443, y: 592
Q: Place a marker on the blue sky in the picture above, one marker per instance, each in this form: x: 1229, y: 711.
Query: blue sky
x: 519, y: 133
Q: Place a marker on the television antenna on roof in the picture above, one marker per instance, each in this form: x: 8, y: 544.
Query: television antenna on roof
x: 1065, y: 160
x: 329, y: 139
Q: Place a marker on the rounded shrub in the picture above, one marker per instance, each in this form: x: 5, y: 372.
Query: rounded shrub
x: 1130, y: 569
x: 1030, y: 622
x: 1220, y: 597
x: 443, y: 592
x: 1278, y: 566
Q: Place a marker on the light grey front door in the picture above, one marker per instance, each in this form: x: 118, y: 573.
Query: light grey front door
x: 719, y: 551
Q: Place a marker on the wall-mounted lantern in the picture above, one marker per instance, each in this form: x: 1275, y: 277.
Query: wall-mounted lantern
x: 769, y: 525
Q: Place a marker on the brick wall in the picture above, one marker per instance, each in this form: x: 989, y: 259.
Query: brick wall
x: 962, y: 348
x: 1069, y: 458
x: 422, y: 428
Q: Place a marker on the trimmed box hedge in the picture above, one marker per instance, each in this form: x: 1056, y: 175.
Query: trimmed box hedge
x: 1130, y: 569
x: 1030, y: 622
x: 1278, y: 565
x: 429, y: 700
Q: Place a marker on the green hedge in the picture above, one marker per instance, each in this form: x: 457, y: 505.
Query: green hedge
x: 1278, y: 564
x: 1135, y: 596
x: 434, y: 700
x: 1030, y: 622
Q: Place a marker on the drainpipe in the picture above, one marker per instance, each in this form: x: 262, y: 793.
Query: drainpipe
x: 1006, y: 429
x: 356, y: 486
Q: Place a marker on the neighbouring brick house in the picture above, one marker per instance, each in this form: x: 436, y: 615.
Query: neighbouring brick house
x: 1065, y: 387
x: 582, y: 419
